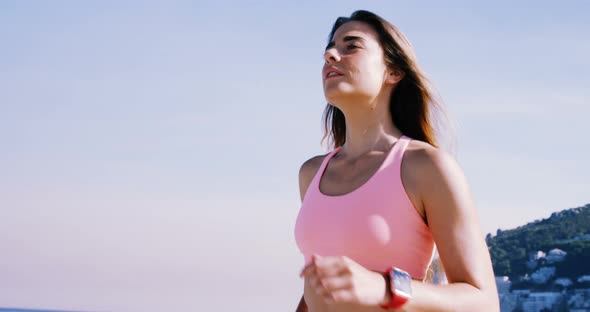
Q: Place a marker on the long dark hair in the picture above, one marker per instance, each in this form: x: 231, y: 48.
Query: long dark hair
x: 412, y: 100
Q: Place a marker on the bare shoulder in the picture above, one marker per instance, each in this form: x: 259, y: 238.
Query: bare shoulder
x: 424, y: 168
x: 307, y: 171
x: 424, y: 158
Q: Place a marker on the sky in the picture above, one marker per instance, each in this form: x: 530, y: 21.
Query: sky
x: 150, y: 151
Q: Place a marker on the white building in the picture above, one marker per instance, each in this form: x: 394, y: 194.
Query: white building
x: 563, y: 282
x: 555, y: 255
x: 534, y: 257
x: 584, y: 279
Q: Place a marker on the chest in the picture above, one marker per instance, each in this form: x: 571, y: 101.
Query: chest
x: 341, y: 177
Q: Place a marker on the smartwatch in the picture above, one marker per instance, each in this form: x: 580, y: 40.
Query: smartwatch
x: 399, y: 286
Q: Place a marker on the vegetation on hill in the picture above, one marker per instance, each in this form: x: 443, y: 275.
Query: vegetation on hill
x: 567, y: 230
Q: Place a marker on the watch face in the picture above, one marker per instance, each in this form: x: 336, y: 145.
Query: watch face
x: 402, y: 282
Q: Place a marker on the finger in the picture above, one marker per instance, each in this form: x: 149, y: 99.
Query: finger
x: 331, y: 261
x: 317, y: 285
x: 306, y: 269
x: 332, y: 284
x: 341, y: 295
x: 330, y: 268
x: 336, y: 283
x: 314, y: 283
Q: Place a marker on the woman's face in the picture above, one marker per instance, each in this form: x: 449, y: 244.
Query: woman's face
x: 354, y: 65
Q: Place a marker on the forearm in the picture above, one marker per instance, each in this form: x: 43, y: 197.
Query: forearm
x: 451, y: 297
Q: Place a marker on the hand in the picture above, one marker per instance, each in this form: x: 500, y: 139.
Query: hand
x: 342, y: 280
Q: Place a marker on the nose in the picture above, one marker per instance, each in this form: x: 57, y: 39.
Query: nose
x: 331, y: 56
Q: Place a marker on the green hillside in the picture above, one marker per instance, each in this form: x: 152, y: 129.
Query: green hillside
x: 564, y: 230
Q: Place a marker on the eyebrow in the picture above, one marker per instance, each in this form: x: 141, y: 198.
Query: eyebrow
x: 345, y: 39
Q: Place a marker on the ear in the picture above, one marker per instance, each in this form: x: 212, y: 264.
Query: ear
x: 394, y: 76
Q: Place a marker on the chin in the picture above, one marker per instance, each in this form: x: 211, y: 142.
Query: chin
x: 340, y: 98
x: 336, y: 101
x: 335, y: 94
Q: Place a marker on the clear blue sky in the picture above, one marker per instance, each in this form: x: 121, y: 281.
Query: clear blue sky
x: 150, y: 151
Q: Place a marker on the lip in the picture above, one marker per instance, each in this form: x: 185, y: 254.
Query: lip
x: 329, y: 70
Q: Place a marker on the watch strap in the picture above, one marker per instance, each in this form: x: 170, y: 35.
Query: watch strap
x: 396, y: 301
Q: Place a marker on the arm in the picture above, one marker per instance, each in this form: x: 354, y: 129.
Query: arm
x: 453, y: 221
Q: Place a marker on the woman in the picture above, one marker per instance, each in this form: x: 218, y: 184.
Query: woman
x: 369, y: 223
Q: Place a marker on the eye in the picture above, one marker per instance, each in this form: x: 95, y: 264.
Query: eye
x: 352, y: 46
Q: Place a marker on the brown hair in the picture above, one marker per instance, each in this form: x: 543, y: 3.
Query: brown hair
x: 411, y: 101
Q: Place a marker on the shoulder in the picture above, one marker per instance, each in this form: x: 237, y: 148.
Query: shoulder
x: 441, y: 186
x: 433, y: 169
x: 425, y: 158
x: 308, y: 170
x: 310, y: 167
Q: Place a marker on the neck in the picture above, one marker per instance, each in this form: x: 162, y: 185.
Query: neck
x: 369, y: 126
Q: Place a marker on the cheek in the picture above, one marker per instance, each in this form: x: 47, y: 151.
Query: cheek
x: 368, y: 79
x: 364, y: 77
x: 368, y: 73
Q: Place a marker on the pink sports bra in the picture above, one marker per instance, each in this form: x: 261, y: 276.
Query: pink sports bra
x: 376, y: 225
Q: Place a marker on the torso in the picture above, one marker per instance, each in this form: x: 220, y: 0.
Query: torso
x: 341, y: 178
